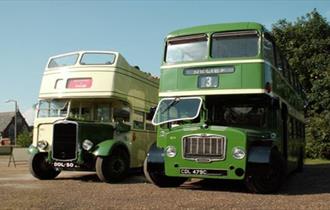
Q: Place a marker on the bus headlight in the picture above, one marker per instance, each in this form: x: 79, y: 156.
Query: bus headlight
x: 42, y: 144
x: 238, y: 153
x: 170, y: 151
x: 87, y: 144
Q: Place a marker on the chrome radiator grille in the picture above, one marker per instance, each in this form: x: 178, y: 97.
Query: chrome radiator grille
x: 210, y: 147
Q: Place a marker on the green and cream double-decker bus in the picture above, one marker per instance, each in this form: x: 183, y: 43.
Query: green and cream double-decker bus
x: 230, y: 108
x: 93, y: 114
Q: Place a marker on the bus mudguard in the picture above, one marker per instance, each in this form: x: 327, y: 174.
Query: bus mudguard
x: 155, y: 159
x: 105, y: 147
x: 33, y: 150
x: 259, y: 154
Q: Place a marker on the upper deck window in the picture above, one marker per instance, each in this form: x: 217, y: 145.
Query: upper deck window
x: 66, y: 60
x: 187, y: 48
x: 97, y: 59
x: 235, y: 44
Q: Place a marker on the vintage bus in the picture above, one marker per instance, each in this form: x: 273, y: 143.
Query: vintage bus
x: 93, y: 114
x: 230, y: 108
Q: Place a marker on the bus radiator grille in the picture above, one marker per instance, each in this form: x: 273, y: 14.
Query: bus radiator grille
x: 65, y: 141
x: 210, y: 147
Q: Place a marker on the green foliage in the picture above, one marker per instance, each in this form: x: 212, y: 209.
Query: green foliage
x: 24, y: 139
x: 306, y: 44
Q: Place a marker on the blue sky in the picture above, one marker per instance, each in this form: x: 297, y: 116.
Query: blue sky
x: 32, y: 31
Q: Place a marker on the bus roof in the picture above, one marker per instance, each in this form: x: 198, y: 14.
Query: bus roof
x: 100, y: 74
x: 218, y: 28
x: 119, y: 61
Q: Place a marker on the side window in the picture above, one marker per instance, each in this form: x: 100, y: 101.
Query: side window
x: 103, y: 113
x: 74, y: 110
x: 268, y: 49
x: 149, y: 125
x: 81, y: 111
x: 138, y: 120
x: 86, y: 111
x: 121, y: 112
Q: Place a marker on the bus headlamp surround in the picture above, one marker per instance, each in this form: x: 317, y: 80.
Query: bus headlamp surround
x: 87, y: 144
x: 238, y: 153
x: 170, y: 151
x: 42, y: 144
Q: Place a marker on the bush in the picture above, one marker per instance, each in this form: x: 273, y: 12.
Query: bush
x: 24, y: 139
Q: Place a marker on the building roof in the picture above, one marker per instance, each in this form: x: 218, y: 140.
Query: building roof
x: 5, y: 119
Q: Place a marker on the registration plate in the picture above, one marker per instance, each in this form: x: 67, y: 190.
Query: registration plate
x: 211, y: 172
x: 64, y: 165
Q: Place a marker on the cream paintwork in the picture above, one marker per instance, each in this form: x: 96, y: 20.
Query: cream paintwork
x: 117, y: 81
x: 140, y: 146
x: 43, y: 130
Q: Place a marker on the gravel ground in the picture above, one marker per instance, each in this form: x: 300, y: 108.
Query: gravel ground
x: 82, y: 190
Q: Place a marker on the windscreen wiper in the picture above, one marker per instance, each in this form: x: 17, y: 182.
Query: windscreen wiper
x: 175, y: 101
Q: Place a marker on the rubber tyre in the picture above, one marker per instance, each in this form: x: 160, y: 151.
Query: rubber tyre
x: 159, y: 179
x: 266, y: 178
x: 113, y: 168
x: 40, y: 168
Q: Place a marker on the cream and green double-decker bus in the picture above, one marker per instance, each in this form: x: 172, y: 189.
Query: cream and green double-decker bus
x: 93, y: 114
x: 230, y: 108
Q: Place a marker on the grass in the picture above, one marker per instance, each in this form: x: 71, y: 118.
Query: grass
x: 316, y: 161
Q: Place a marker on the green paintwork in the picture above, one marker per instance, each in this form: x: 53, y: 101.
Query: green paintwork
x: 217, y: 28
x: 245, y: 76
x: 32, y: 150
x: 104, y: 148
x: 88, y: 130
x: 234, y: 137
x: 251, y: 73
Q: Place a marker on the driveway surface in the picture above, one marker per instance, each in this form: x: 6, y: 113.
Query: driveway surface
x: 83, y: 190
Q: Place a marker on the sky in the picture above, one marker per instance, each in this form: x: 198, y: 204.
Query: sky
x: 32, y: 31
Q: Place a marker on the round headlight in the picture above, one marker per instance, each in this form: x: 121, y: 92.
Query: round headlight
x: 238, y: 153
x: 42, y: 144
x: 170, y: 151
x: 87, y: 144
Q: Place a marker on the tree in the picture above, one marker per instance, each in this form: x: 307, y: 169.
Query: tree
x: 306, y: 45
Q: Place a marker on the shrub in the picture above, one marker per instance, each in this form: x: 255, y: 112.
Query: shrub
x: 24, y: 139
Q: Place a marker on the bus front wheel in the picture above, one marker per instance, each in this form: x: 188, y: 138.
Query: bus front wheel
x: 158, y: 178
x: 113, y: 168
x: 40, y: 168
x: 266, y: 178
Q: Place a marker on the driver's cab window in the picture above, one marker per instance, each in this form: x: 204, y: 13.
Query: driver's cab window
x: 121, y: 112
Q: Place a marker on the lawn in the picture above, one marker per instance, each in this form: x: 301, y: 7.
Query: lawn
x: 316, y: 161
